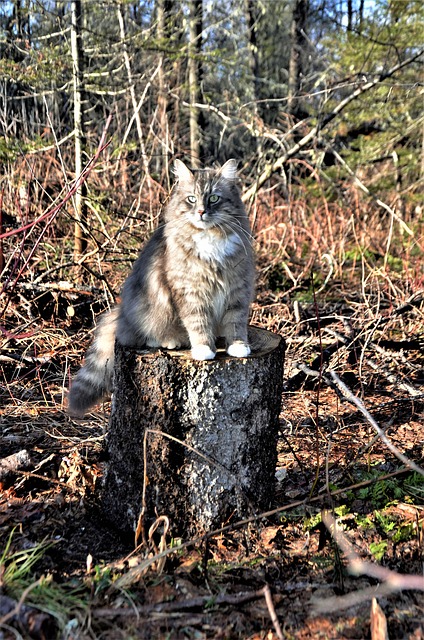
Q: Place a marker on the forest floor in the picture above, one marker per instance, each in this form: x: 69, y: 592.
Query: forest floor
x: 65, y: 573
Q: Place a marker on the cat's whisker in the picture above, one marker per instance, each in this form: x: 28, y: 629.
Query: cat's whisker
x: 227, y: 217
x: 241, y: 239
x: 235, y: 232
x: 237, y: 229
x: 244, y: 231
x: 222, y: 229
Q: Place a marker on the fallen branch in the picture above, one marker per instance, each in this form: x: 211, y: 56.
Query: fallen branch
x: 63, y: 285
x: 272, y: 613
x: 192, y: 604
x: 347, y: 393
x: 343, y: 390
x: 401, y: 345
x: 21, y: 358
x: 14, y: 462
x: 392, y: 581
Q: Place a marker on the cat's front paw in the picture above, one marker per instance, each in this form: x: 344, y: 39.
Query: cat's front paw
x: 238, y: 350
x: 202, y: 352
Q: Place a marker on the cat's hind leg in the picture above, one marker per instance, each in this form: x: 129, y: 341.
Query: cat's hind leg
x: 170, y: 343
x: 175, y: 337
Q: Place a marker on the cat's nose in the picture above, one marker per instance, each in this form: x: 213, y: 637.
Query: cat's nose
x: 200, y: 212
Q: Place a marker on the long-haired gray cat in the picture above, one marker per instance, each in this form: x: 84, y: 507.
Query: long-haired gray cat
x: 193, y: 282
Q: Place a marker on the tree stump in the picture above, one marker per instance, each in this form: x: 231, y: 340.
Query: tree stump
x: 193, y: 440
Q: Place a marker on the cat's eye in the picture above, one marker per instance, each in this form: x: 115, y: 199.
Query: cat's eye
x: 213, y: 198
x: 191, y: 199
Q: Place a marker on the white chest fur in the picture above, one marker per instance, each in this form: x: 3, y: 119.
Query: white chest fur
x: 213, y: 247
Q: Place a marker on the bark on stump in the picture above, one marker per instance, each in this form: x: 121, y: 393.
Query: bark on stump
x: 205, y: 431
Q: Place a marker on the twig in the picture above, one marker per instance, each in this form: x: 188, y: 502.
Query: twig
x: 391, y: 580
x: 181, y: 605
x: 338, y: 603
x: 358, y: 567
x: 347, y: 393
x: 37, y: 623
x: 273, y: 615
x: 164, y: 521
x: 378, y: 622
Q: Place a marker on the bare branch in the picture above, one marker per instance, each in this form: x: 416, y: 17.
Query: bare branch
x: 272, y: 613
x: 19, y: 460
x: 391, y: 580
x: 278, y: 164
x: 365, y: 189
x: 347, y: 393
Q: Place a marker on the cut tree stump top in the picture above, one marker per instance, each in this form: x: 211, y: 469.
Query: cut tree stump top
x: 261, y: 343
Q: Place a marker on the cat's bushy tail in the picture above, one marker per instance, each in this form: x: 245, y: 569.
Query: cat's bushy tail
x: 94, y: 380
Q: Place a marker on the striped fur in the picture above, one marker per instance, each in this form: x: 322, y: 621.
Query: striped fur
x: 192, y: 283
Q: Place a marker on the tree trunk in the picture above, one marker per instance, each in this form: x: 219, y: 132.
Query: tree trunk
x: 21, y: 17
x: 135, y: 104
x: 298, y: 43
x: 193, y: 441
x: 164, y: 8
x: 361, y: 15
x: 349, y: 15
x: 252, y: 19
x: 195, y: 79
x: 80, y: 239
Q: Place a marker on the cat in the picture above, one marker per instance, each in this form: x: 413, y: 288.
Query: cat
x: 192, y: 283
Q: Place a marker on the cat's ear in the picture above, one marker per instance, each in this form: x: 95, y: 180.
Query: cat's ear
x: 182, y: 172
x: 229, y: 170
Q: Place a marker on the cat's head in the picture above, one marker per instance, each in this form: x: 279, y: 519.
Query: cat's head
x: 205, y: 198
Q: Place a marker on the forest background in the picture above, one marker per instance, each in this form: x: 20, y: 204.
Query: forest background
x: 320, y: 101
